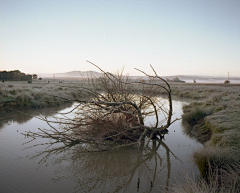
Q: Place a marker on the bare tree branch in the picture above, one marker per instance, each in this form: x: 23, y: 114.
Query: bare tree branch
x: 115, y: 110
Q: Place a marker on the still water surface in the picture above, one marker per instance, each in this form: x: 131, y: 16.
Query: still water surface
x: 29, y: 167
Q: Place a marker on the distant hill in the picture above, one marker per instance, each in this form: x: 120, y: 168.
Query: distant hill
x: 78, y: 74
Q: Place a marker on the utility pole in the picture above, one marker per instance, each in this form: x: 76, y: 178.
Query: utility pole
x: 227, y: 81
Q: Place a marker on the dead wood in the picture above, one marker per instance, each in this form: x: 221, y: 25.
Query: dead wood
x: 114, y: 110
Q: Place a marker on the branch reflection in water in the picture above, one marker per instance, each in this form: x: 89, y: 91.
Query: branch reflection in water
x: 146, y: 169
x: 52, y: 167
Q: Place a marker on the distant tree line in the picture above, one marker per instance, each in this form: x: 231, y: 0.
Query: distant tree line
x: 15, y: 75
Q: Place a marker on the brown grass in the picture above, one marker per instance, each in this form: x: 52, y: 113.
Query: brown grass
x: 219, y: 181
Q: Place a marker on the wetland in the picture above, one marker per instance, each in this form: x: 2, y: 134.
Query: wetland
x: 218, y: 105
x: 32, y: 166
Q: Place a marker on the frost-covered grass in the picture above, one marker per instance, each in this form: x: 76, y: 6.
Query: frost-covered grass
x: 38, y: 94
x: 219, y: 114
x: 201, y: 91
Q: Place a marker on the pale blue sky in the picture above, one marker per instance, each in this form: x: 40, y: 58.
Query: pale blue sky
x: 178, y: 37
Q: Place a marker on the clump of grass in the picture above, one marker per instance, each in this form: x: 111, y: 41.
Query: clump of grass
x: 194, y: 116
x: 220, y: 169
x: 13, y: 92
x: 24, y: 98
x: 219, y: 181
x: 37, y: 95
x: 214, y: 158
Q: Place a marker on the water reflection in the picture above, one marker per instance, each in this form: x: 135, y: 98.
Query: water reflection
x: 23, y: 116
x: 46, y: 166
x: 147, y: 169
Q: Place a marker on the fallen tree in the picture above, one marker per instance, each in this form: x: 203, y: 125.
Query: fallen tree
x: 114, y: 109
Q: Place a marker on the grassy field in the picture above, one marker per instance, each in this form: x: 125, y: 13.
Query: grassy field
x: 38, y: 94
x: 214, y: 119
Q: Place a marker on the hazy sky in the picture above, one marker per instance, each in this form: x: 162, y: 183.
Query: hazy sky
x: 178, y: 37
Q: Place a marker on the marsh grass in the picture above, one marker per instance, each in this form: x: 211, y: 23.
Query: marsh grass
x: 218, y: 161
x: 213, y: 158
x: 194, y: 116
x: 219, y: 181
x: 21, y: 95
x: 220, y: 168
x: 195, y: 91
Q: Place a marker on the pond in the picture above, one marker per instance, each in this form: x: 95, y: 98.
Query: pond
x: 33, y: 166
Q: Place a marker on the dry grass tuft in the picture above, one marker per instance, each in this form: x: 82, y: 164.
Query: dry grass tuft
x: 194, y: 116
x: 215, y: 156
x: 220, y: 168
x: 219, y: 181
